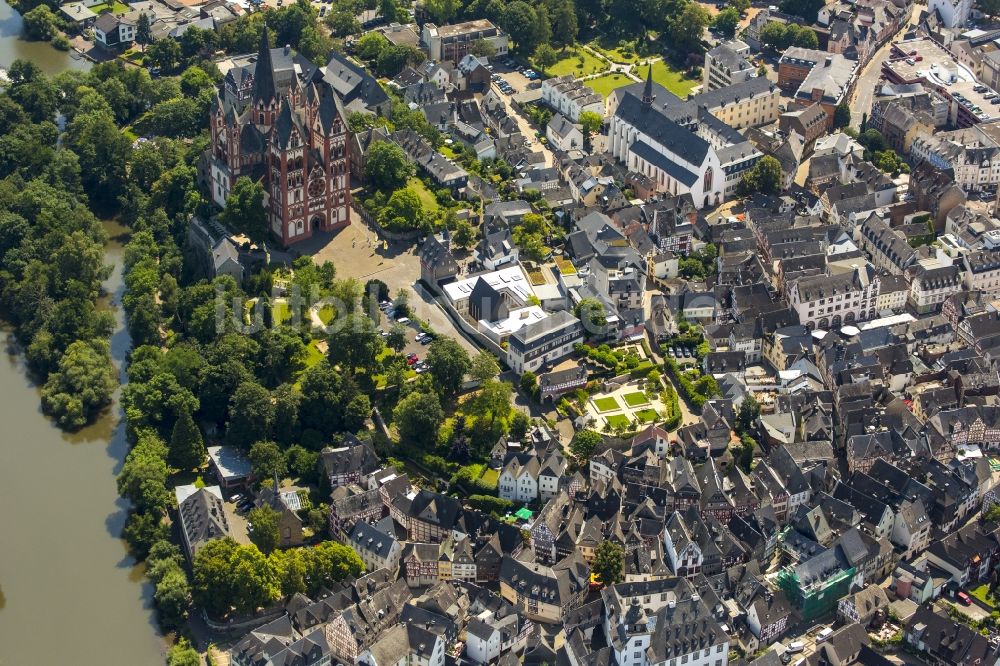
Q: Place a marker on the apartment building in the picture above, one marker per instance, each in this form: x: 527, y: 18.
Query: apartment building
x: 454, y: 42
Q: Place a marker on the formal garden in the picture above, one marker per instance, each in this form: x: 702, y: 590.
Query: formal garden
x: 633, y: 405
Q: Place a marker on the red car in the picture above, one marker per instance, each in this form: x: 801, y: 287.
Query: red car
x: 410, y: 360
x: 964, y: 598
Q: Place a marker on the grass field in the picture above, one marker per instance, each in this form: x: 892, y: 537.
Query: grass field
x: 604, y: 85
x: 569, y: 63
x: 490, y: 477
x: 612, y: 51
x: 618, y: 421
x: 671, y: 79
x: 647, y: 415
x: 427, y: 197
x: 636, y: 399
x: 606, y: 404
x: 983, y: 594
x: 115, y: 7
x: 326, y: 313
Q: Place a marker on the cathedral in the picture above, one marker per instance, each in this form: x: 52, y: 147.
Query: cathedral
x: 276, y: 120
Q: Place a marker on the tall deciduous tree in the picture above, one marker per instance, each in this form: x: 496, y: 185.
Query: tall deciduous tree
x: 449, y: 364
x: 143, y: 35
x: 386, y: 166
x: 484, y: 367
x: 609, y: 562
x: 418, y: 417
x: 82, y: 385
x: 265, y: 528
x: 251, y: 415
x: 245, y: 210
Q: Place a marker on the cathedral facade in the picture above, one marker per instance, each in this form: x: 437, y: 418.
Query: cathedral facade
x: 277, y: 121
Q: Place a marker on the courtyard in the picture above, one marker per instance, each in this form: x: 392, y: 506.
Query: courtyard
x: 627, y: 406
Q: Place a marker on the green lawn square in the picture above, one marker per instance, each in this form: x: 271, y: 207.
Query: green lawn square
x: 606, y: 404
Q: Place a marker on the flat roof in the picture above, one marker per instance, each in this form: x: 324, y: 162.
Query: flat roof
x: 230, y: 462
x: 511, y: 278
x: 516, y: 320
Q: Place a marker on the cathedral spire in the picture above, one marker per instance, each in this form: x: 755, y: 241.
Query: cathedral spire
x: 647, y: 92
x: 263, y: 76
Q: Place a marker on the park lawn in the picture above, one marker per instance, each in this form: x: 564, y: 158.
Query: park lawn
x: 569, y: 63
x: 605, y: 85
x: 280, y: 312
x: 114, y: 7
x: 636, y: 399
x: 427, y: 197
x: 326, y: 314
x: 606, y: 404
x: 618, y: 421
x: 983, y: 594
x: 672, y: 79
x: 313, y: 354
x: 610, y: 50
x: 647, y: 415
x: 490, y: 477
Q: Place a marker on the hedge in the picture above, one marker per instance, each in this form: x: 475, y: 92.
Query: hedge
x: 490, y: 504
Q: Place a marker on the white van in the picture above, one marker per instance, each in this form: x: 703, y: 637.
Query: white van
x: 796, y: 646
x: 824, y: 634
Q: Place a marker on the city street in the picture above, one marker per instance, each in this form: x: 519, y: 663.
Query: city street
x: 864, y: 91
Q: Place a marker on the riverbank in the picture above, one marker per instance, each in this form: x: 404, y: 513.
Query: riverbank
x: 50, y: 59
x: 64, y: 567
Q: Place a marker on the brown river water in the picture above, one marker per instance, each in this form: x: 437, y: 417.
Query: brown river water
x: 69, y: 591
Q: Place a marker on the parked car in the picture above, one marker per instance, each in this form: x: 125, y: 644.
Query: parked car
x: 421, y: 369
x: 964, y: 598
x: 672, y: 352
x: 824, y: 634
x: 687, y: 352
x: 403, y: 320
x: 796, y: 646
x: 411, y: 361
x: 236, y: 499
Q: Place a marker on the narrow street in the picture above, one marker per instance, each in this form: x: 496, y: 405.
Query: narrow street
x: 864, y: 91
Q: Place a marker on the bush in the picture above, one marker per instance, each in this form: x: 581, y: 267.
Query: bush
x: 490, y: 504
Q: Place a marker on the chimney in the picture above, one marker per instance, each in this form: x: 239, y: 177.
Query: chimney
x: 828, y: 61
x: 288, y: 49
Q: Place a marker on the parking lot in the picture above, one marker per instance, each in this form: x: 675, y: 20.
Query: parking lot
x: 509, y: 80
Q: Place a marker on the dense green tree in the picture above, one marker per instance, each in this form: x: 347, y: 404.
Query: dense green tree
x: 82, y: 386
x: 564, y: 24
x: 418, y: 417
x: 591, y: 313
x: 164, y: 53
x: 591, y: 122
x: 529, y: 383
x: 387, y: 167
x: 584, y: 443
x: 355, y: 344
x: 187, y: 448
x: 143, y: 34
x: 449, y: 364
x: 145, y: 467
x: 404, y: 211
x: 484, y: 367
x: 371, y: 45
x: 442, y: 12
x: 251, y: 415
x: 747, y: 414
x: 609, y: 562
x: 321, y: 396
x: 482, y: 48
x: 286, y: 413
x: 393, y: 60
x: 841, y: 115
x: 727, y: 21
x: 764, y: 177
x: 686, y: 27
x: 396, y: 339
x: 545, y: 56
x: 142, y: 530
x: 522, y: 23
x: 358, y: 410
x: 267, y: 460
x: 265, y: 528
x: 39, y: 24
x: 172, y: 596
x: 807, y: 9
x: 494, y: 400
x: 182, y: 654
x: 519, y: 424
x: 244, y: 209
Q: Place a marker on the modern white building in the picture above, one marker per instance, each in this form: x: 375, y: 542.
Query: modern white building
x: 569, y: 97
x: 953, y: 13
x: 518, y: 481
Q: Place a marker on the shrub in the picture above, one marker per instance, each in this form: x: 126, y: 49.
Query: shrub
x: 490, y: 504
